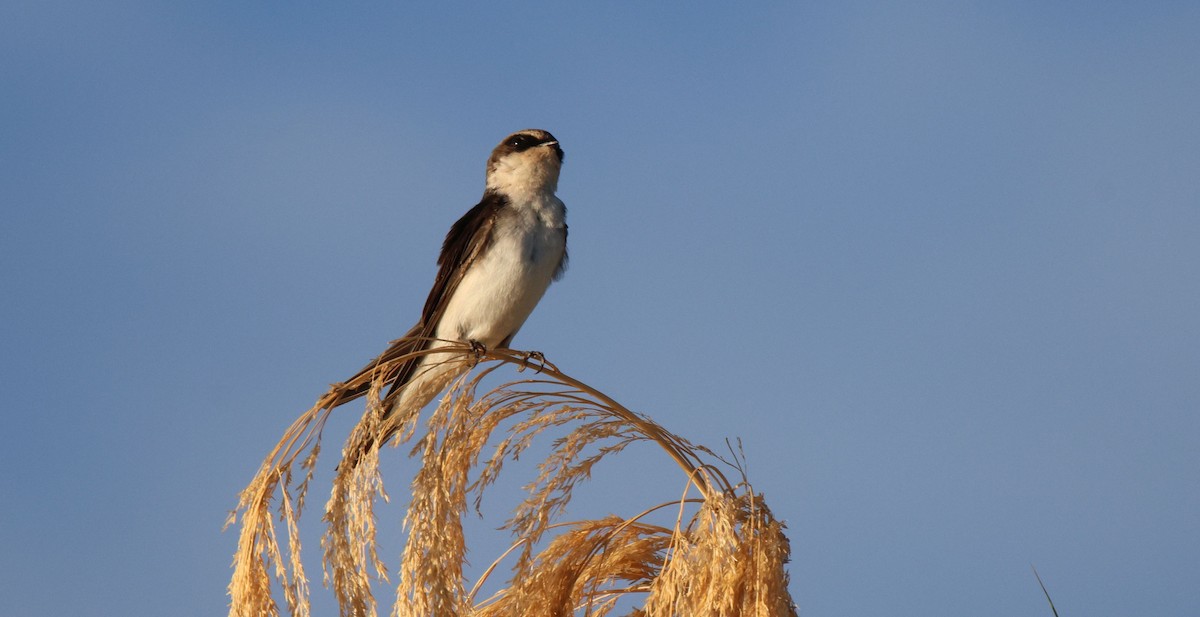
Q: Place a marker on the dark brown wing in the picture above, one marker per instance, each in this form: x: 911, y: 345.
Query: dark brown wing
x: 467, y: 238
x: 562, y: 265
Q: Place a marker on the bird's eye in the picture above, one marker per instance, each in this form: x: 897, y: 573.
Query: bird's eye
x: 521, y: 142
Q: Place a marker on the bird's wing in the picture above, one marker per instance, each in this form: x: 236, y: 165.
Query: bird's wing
x: 561, y: 268
x: 466, y: 240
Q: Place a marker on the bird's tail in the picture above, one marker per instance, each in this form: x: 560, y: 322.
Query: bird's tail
x: 414, y: 373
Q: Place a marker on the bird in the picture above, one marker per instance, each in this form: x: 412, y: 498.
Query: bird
x: 496, y: 263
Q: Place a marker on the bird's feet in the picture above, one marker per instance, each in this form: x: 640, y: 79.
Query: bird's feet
x: 478, y: 351
x: 534, y: 356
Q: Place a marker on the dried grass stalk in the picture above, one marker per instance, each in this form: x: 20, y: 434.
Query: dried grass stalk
x: 726, y: 558
x: 730, y: 561
x: 592, y: 564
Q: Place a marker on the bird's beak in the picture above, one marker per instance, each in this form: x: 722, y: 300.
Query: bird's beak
x: 550, y: 143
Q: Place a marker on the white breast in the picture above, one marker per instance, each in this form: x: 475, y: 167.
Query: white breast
x: 502, y: 287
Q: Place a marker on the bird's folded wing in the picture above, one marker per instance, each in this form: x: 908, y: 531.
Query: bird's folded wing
x: 467, y: 239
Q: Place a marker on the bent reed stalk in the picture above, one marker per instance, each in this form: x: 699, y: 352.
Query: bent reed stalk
x: 724, y: 554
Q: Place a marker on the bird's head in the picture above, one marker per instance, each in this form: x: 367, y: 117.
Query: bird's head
x: 526, y: 162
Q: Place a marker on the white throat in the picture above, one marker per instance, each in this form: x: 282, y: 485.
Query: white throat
x: 524, y: 176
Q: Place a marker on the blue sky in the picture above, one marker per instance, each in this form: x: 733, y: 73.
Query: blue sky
x: 936, y: 264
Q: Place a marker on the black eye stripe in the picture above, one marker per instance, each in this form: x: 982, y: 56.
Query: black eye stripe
x: 522, y: 142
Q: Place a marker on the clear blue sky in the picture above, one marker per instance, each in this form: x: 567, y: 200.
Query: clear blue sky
x: 937, y: 265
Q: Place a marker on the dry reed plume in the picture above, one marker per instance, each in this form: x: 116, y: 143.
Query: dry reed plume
x: 719, y: 553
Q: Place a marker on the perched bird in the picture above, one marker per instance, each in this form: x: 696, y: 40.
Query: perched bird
x: 495, y: 265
